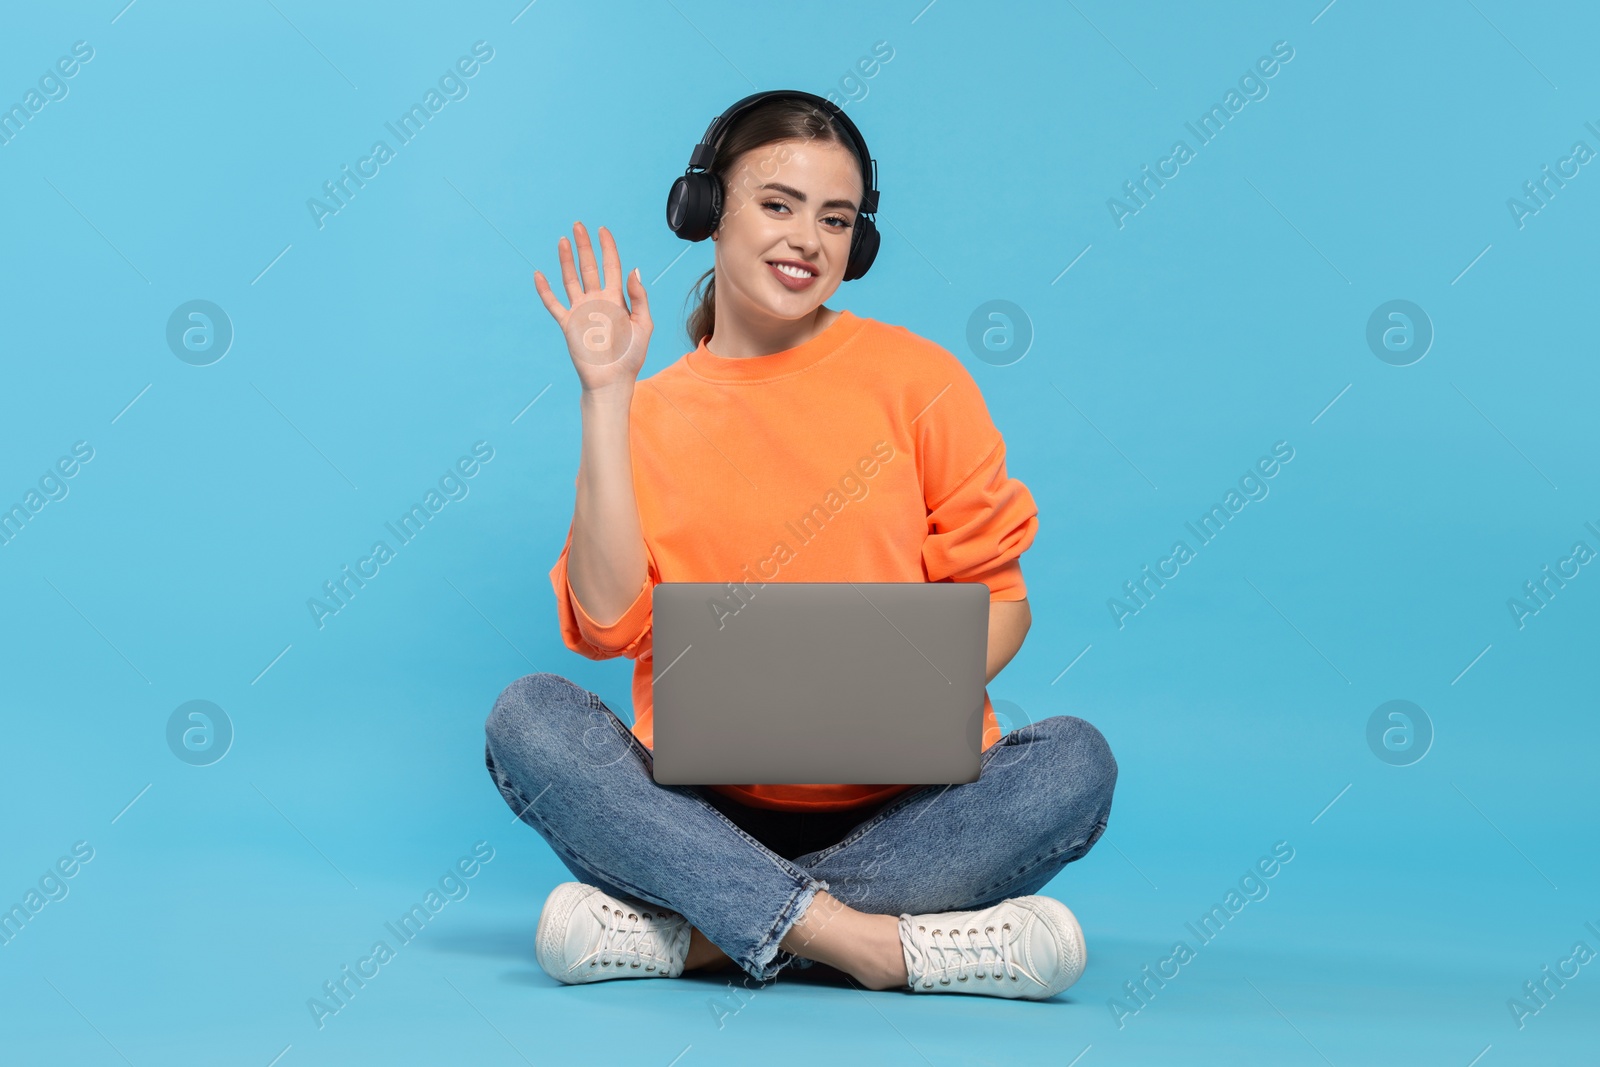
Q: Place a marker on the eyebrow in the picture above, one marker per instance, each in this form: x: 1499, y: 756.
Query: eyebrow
x: 798, y: 195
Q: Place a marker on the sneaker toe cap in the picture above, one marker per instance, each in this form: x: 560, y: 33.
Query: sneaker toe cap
x: 1055, y: 947
x: 559, y: 940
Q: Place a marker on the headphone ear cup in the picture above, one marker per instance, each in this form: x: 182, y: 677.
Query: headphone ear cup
x: 694, y: 205
x: 864, y: 251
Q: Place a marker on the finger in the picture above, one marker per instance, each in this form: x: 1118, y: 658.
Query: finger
x: 569, y: 273
x: 641, y: 302
x: 610, y: 260
x: 551, y: 303
x: 586, y: 266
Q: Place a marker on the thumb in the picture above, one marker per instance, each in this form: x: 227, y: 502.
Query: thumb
x: 641, y: 300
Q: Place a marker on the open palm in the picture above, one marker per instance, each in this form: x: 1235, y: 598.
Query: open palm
x: 605, y: 338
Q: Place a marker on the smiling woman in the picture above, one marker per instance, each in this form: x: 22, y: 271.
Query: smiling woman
x: 793, y: 194
x: 689, y: 474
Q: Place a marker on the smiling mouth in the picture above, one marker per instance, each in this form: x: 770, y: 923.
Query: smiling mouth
x: 793, y: 271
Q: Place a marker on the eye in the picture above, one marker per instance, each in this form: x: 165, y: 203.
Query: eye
x: 843, y: 223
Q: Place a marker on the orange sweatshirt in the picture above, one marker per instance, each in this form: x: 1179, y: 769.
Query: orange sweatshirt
x: 865, y: 454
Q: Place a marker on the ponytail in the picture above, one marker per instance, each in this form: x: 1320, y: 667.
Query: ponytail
x: 704, y: 316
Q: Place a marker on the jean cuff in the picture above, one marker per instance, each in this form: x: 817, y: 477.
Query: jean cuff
x: 768, y: 958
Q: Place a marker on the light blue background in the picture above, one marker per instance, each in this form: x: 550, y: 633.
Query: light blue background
x: 371, y: 353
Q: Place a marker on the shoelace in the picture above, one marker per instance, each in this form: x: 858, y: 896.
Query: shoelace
x: 962, y: 962
x: 626, y: 933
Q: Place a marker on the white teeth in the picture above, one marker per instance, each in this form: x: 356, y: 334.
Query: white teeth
x: 793, y: 272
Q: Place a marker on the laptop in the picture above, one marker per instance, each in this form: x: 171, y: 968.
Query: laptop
x: 854, y: 683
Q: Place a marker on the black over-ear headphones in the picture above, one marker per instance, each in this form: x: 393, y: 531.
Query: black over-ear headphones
x: 694, y: 206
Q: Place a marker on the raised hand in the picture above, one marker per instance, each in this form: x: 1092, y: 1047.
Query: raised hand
x: 605, y: 338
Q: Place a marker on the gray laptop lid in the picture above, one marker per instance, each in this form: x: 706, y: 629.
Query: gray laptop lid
x: 862, y: 683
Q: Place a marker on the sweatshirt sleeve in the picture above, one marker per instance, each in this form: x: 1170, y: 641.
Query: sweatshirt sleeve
x: 630, y: 635
x: 980, y: 519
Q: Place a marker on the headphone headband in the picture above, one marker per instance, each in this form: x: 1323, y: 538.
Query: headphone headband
x: 705, y: 152
x: 694, y: 205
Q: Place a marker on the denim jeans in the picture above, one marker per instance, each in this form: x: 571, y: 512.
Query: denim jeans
x: 573, y: 771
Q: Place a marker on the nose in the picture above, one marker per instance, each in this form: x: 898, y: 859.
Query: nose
x: 806, y: 237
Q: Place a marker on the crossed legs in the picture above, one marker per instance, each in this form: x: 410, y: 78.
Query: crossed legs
x: 574, y: 772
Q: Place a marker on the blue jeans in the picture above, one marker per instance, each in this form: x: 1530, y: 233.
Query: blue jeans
x: 573, y: 771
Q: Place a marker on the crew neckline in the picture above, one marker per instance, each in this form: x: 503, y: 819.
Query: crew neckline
x: 708, y: 364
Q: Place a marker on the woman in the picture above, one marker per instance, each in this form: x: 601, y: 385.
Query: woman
x: 722, y: 467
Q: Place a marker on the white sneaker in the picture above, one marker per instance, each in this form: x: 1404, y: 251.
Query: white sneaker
x: 1025, y: 947
x: 586, y: 935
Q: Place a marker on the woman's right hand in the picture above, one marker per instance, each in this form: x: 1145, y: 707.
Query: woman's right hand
x: 606, y: 340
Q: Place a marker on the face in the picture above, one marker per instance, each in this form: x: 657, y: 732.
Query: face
x: 790, y: 202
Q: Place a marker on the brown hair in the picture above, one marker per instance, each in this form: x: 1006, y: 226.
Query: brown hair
x: 779, y: 119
